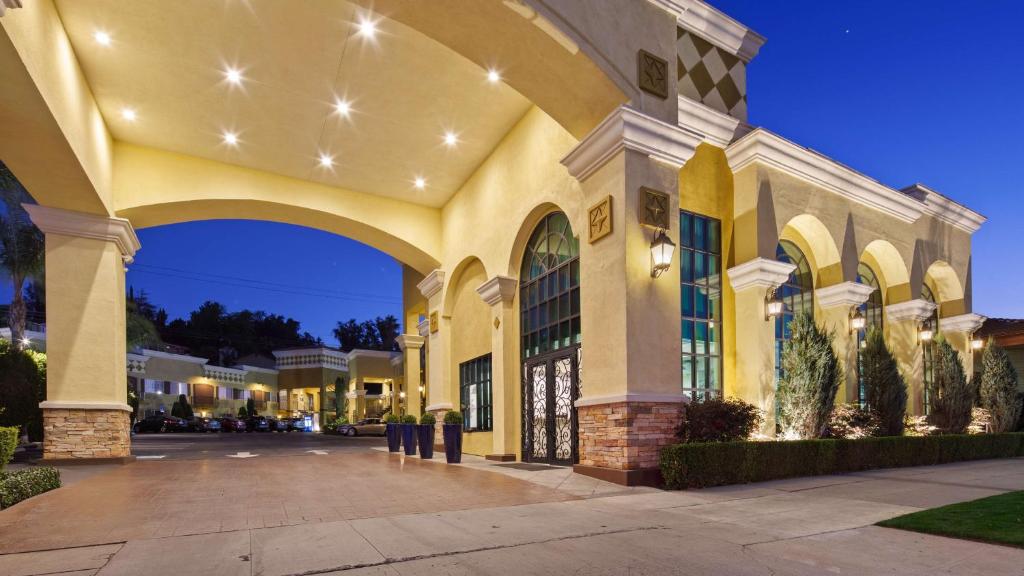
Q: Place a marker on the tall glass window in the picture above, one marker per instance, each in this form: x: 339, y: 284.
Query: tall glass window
x: 797, y: 295
x: 928, y: 348
x: 475, y: 393
x: 700, y: 261
x: 550, y: 288
x: 871, y: 309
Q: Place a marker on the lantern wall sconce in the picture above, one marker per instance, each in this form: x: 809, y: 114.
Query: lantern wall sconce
x: 977, y: 343
x: 857, y: 321
x: 773, y: 305
x: 662, y: 249
x: 925, y: 334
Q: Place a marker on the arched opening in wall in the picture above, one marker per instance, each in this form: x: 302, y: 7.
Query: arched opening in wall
x: 796, y: 294
x: 872, y: 310
x: 550, y: 336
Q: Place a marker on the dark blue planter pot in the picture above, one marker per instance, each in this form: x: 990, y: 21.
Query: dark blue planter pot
x: 452, y: 442
x: 394, y: 437
x: 409, y: 439
x: 425, y: 438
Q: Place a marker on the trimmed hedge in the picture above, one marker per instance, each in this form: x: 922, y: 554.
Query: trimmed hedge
x: 721, y: 463
x: 8, y: 442
x: 26, y: 483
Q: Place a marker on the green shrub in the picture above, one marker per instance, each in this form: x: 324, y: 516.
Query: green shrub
x: 392, y: 419
x: 177, y: 411
x: 718, y: 420
x: 22, y: 484
x: 951, y: 396
x: 242, y: 413
x: 852, y: 421
x: 453, y: 417
x: 8, y: 442
x: 885, y: 390
x: 428, y: 419
x: 408, y: 419
x: 250, y: 406
x: 722, y: 463
x: 811, y: 376
x: 22, y: 388
x: 999, y: 393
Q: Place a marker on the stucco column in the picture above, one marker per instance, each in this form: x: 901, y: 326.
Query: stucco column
x: 959, y: 331
x: 902, y: 323
x: 752, y: 282
x: 86, y: 414
x: 439, y: 395
x: 411, y: 345
x: 499, y: 293
x: 836, y: 303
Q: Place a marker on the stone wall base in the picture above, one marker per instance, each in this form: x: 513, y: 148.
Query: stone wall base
x: 626, y: 436
x: 74, y: 433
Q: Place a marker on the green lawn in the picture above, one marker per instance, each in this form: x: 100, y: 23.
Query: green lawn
x: 997, y: 519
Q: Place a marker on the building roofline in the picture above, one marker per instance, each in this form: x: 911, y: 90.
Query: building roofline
x: 715, y: 26
x: 945, y: 208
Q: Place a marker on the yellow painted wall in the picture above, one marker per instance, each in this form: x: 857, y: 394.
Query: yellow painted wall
x: 470, y: 323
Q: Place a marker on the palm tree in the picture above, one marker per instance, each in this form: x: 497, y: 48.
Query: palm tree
x: 22, y: 247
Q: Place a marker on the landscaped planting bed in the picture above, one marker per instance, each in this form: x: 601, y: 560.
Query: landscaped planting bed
x: 701, y: 465
x: 22, y: 484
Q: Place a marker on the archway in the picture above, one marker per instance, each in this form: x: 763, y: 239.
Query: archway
x: 890, y: 270
x: 816, y: 243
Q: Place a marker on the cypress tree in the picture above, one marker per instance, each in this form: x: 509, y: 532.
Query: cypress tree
x: 885, y: 389
x: 951, y: 395
x: 999, y: 394
x: 811, y: 378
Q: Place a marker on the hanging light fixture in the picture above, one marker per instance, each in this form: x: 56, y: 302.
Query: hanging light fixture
x: 977, y: 343
x: 773, y: 305
x: 662, y: 248
x: 925, y: 334
x: 857, y: 321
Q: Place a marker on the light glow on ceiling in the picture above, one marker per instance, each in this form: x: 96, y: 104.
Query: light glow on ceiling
x: 367, y: 27
x: 493, y: 76
x: 101, y: 37
x: 128, y: 114
x: 326, y: 160
x: 234, y: 76
x: 420, y: 183
x: 450, y: 139
x: 343, y: 108
x: 230, y: 138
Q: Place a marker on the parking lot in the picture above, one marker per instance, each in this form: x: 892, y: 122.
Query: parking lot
x: 245, y: 445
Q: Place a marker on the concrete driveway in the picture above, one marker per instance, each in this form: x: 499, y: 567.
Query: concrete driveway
x: 361, y: 511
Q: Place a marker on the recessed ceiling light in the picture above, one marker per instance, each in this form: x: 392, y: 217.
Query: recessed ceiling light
x: 233, y: 75
x: 450, y: 139
x: 230, y: 138
x: 420, y: 183
x: 326, y: 161
x: 342, y: 107
x: 101, y: 37
x: 493, y: 76
x: 367, y: 27
x: 128, y: 114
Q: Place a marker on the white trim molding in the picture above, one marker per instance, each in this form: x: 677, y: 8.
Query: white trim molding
x: 497, y: 290
x: 356, y: 353
x: 918, y: 310
x: 439, y: 406
x: 5, y: 4
x: 258, y: 369
x: 848, y: 294
x: 631, y: 397
x: 716, y: 128
x: 759, y: 273
x: 423, y: 328
x: 414, y: 341
x: 963, y: 324
x: 715, y: 26
x: 397, y: 361
x: 168, y: 356
x: 776, y: 152
x: 71, y: 405
x: 82, y: 225
x: 627, y: 129
x: 432, y: 284
x: 944, y: 209
x: 351, y: 394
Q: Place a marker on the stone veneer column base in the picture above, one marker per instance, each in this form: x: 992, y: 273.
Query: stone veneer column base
x: 621, y: 442
x: 86, y: 435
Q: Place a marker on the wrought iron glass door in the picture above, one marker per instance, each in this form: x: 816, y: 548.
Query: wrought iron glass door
x: 550, y: 390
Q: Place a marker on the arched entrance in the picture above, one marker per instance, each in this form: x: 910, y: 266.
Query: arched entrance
x: 549, y: 308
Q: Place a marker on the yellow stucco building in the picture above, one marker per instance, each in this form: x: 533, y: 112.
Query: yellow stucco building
x: 530, y: 164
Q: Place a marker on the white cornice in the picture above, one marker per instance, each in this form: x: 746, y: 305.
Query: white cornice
x: 627, y: 129
x: 352, y: 355
x: 169, y: 356
x: 631, y: 398
x: 5, y: 4
x: 942, y: 208
x: 716, y: 128
x: 432, y: 284
x: 918, y: 310
x: 715, y: 26
x: 293, y: 352
x: 847, y: 294
x: 962, y: 324
x: 776, y: 152
x: 759, y: 273
x: 423, y: 328
x: 82, y: 225
x: 259, y: 369
x: 414, y: 341
x: 498, y: 289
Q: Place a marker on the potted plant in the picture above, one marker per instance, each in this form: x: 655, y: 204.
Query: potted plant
x: 409, y: 434
x: 392, y: 431
x: 452, y: 430
x: 425, y: 435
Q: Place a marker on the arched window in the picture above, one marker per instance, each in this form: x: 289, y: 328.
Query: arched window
x: 550, y: 288
x: 871, y: 309
x: 928, y: 348
x: 797, y: 295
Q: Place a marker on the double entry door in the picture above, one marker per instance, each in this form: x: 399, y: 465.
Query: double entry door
x: 550, y: 390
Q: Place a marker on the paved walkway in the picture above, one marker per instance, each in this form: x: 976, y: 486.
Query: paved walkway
x: 471, y: 520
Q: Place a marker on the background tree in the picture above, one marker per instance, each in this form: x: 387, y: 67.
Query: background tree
x: 140, y: 332
x: 250, y: 406
x: 22, y: 248
x: 381, y: 333
x: 186, y: 409
x: 884, y: 386
x: 242, y: 413
x: 22, y: 388
x: 951, y: 396
x: 811, y: 376
x: 999, y: 392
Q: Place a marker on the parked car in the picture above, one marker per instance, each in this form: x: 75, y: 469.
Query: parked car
x: 232, y: 424
x: 297, y: 423
x: 257, y: 424
x: 365, y: 427
x: 278, y: 424
x: 203, y: 424
x: 161, y: 423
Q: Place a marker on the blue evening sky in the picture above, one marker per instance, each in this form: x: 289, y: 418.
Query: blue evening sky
x: 906, y: 91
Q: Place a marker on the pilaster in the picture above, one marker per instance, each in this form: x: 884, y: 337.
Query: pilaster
x: 902, y: 322
x: 499, y: 293
x: 836, y: 303
x: 411, y: 345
